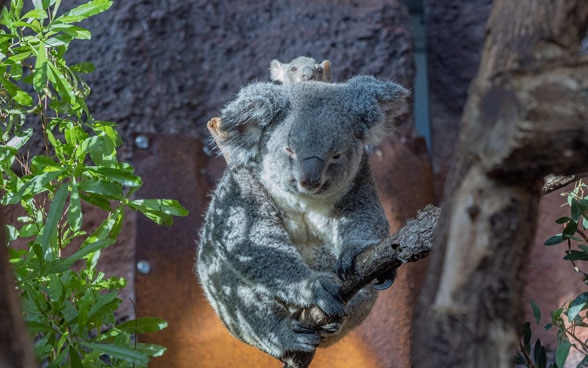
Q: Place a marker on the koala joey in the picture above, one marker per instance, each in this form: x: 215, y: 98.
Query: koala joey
x: 295, y: 206
x: 301, y: 69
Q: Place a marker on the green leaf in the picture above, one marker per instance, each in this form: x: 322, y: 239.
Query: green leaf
x: 570, y: 230
x: 96, y: 200
x: 74, y: 215
x: 102, y: 187
x: 55, y: 211
x: 562, y: 220
x: 72, y: 31
x: 42, y: 163
x: 121, y: 176
x: 124, y: 353
x: 16, y: 93
x: 74, y: 358
x: 40, y: 4
x: 159, y: 211
x: 35, y: 14
x: 87, y: 10
x: 83, y: 67
x: 102, y: 150
x: 554, y: 240
x: 62, y: 84
x: 151, y: 349
x: 536, y: 312
x: 107, y: 303
x: 540, y: 355
x: 40, y: 77
x: 90, y: 248
x: 576, y: 255
x: 561, y: 355
x: 143, y: 325
x: 577, y: 305
x: 576, y: 210
x: 527, y: 337
x: 34, y: 185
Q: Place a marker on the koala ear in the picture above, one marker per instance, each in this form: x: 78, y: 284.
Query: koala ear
x: 377, y: 104
x: 244, y: 120
x: 326, y: 65
x: 278, y: 71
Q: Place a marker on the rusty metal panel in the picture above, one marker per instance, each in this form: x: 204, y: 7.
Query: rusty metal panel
x: 176, y: 167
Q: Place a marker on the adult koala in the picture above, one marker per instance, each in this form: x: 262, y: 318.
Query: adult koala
x: 295, y: 206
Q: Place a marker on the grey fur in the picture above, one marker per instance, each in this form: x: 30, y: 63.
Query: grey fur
x: 295, y: 206
x: 301, y: 69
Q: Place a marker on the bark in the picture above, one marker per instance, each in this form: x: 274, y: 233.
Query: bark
x: 525, y: 118
x: 16, y: 348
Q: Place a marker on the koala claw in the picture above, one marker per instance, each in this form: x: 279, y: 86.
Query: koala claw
x: 344, y: 266
x: 330, y: 329
x: 306, y: 339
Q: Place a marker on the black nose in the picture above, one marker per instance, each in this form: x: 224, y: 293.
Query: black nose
x: 312, y: 173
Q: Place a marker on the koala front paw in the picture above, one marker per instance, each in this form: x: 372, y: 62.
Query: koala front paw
x: 305, y: 338
x: 345, y: 264
x: 327, y: 295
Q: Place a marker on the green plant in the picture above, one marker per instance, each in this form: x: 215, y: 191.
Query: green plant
x: 68, y: 305
x: 571, y: 317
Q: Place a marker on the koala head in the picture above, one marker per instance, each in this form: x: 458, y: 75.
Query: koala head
x: 308, y: 138
x: 301, y: 69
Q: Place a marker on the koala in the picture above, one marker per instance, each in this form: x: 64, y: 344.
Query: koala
x: 301, y: 69
x: 294, y: 207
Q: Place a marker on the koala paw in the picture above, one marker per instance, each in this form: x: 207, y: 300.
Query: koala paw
x: 327, y: 296
x: 305, y: 338
x: 345, y: 264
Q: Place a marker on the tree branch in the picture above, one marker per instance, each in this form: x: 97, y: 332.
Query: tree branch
x: 525, y: 118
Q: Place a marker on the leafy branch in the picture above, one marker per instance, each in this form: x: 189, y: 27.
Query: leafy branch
x: 68, y: 305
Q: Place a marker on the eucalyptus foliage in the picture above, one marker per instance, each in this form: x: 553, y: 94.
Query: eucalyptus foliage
x: 571, y: 318
x: 68, y: 305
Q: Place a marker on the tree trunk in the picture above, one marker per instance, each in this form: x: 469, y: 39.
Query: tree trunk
x: 16, y: 348
x: 526, y: 117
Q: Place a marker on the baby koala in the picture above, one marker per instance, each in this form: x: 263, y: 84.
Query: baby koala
x: 301, y: 69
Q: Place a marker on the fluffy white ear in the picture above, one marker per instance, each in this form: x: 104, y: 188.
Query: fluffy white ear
x: 278, y: 71
x: 377, y: 104
x: 244, y: 120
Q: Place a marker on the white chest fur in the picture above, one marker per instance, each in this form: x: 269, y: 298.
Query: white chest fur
x: 311, y: 226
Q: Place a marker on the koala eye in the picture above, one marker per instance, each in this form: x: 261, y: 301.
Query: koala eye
x: 293, y: 69
x: 319, y: 69
x: 337, y: 156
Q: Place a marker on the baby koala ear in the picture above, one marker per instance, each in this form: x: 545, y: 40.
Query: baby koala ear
x: 278, y: 71
x: 326, y: 65
x: 377, y: 104
x: 244, y: 120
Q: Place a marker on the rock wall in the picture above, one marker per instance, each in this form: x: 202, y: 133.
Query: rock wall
x: 169, y: 66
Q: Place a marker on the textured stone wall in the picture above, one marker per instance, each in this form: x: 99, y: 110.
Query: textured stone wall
x: 169, y: 66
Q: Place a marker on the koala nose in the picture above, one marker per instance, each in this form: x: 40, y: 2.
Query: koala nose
x: 307, y: 73
x: 312, y: 173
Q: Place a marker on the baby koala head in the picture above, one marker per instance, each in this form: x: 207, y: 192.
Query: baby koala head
x: 308, y: 138
x: 301, y: 69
